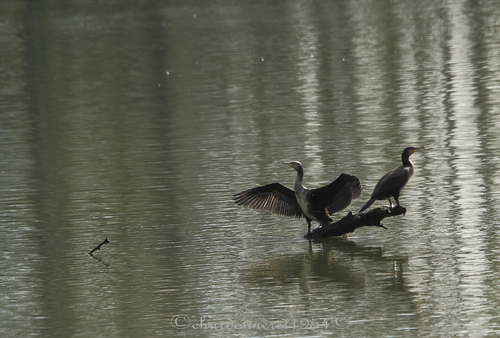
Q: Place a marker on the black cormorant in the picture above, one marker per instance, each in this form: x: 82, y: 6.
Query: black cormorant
x: 312, y: 204
x: 390, y: 184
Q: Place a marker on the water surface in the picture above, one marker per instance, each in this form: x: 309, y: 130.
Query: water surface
x: 139, y: 121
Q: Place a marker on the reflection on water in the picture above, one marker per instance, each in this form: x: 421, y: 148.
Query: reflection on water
x: 139, y: 121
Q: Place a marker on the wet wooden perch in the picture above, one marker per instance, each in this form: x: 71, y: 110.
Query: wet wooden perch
x: 351, y: 222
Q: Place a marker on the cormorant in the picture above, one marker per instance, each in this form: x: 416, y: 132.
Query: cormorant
x: 390, y: 184
x: 312, y: 204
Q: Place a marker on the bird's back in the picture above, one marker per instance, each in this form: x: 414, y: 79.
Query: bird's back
x: 339, y: 194
x: 392, y: 182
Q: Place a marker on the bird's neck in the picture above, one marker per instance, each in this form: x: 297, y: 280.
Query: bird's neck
x: 406, y: 161
x: 298, y: 180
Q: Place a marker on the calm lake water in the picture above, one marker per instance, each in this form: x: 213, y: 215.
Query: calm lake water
x: 139, y: 120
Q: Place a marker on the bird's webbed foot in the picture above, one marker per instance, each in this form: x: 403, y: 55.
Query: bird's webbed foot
x: 325, y: 222
x: 399, y: 209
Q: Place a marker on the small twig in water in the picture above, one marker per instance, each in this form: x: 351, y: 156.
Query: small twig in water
x: 99, y: 246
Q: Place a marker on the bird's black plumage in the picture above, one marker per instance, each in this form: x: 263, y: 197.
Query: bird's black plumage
x: 312, y: 204
x: 391, y: 184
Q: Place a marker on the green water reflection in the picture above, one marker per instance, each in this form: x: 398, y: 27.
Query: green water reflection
x: 138, y: 121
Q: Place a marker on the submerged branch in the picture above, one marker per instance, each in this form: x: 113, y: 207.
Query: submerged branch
x: 99, y: 246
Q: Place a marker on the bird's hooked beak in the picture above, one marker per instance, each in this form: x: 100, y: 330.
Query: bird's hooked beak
x: 291, y: 164
x: 417, y: 148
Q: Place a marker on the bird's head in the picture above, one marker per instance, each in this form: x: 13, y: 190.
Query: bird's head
x: 410, y: 150
x: 294, y: 164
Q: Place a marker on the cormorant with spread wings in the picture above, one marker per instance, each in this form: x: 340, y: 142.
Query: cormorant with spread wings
x: 311, y: 204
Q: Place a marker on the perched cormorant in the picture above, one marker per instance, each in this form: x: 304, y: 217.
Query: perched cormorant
x: 390, y: 184
x: 312, y: 204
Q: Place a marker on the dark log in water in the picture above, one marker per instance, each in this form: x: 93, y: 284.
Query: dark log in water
x: 351, y: 222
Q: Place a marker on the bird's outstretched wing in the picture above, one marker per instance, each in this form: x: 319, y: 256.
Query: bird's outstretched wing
x: 340, y: 193
x: 274, y: 197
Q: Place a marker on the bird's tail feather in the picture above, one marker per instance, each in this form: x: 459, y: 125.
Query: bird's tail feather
x: 367, y: 205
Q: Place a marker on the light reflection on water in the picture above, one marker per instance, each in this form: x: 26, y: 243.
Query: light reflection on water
x: 108, y: 144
